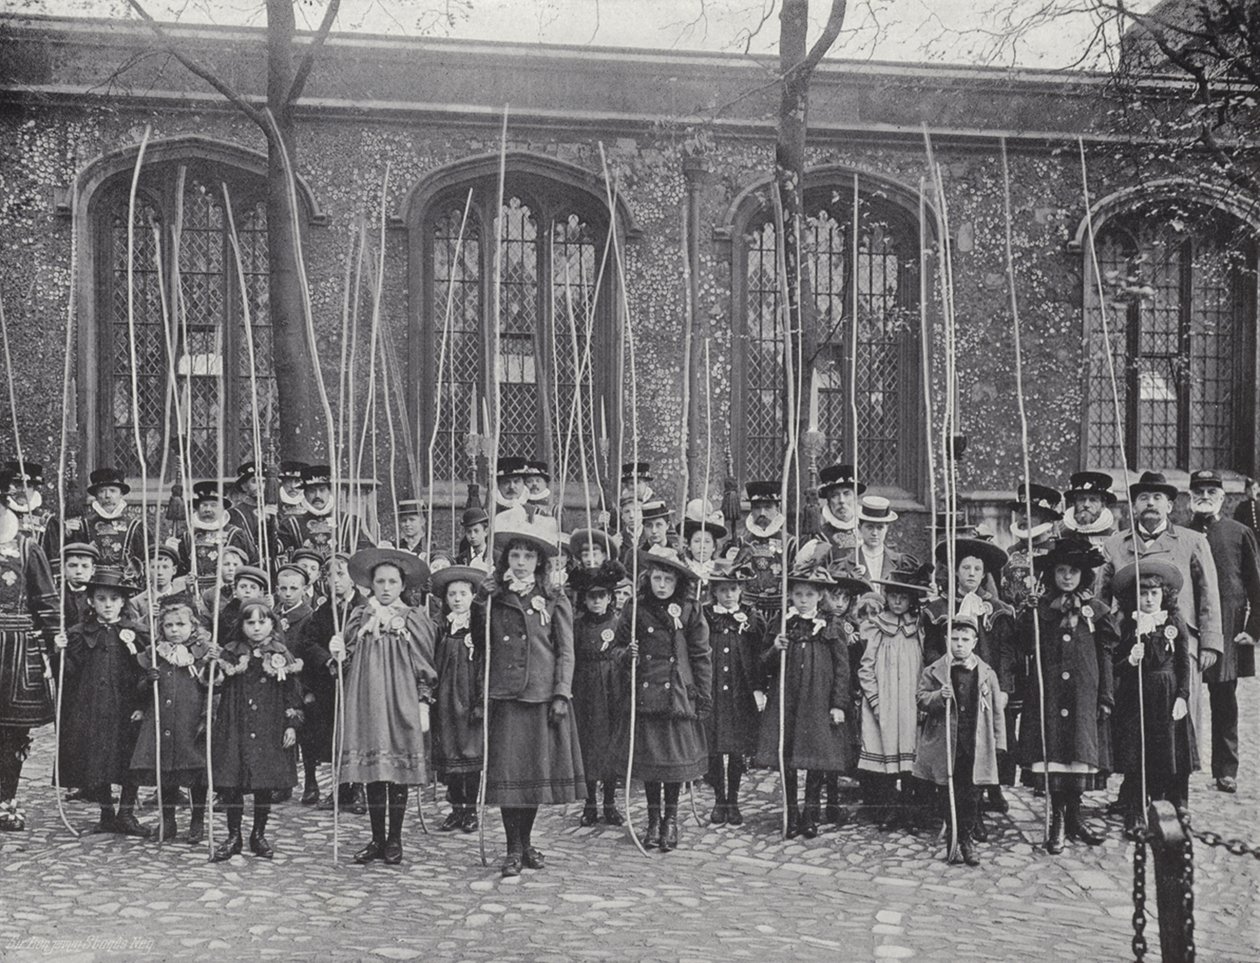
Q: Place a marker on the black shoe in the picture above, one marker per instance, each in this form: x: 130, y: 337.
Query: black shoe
x: 358, y: 801
x: 259, y: 846
x: 793, y: 823
x: 590, y: 815
x: 227, y: 849
x: 106, y: 824
x: 979, y: 830
x: 809, y: 823
x: 470, y: 821
x: 126, y: 824
x: 533, y: 858
x: 169, y: 830
x: 453, y: 821
x: 283, y: 795
x: 652, y: 834
x: 511, y: 865
x: 968, y: 852
x: 1134, y: 827
x: 613, y: 816
x: 372, y: 851
x: 1227, y: 784
x: 995, y: 802
x: 669, y: 833
x: 393, y: 852
x: 325, y: 805
x: 196, y: 830
x: 1077, y: 829
x: 1057, y: 838
x: 717, y: 815
x: 733, y: 816
x: 310, y: 796
x: 834, y: 813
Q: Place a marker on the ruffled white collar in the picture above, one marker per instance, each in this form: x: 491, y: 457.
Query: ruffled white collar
x: 830, y: 519
x: 1100, y: 525
x: 769, y: 531
x: 111, y: 514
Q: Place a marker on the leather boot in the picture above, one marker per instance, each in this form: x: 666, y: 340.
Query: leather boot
x: 258, y: 844
x: 231, y: 846
x: 197, y: 825
x: 718, y: 815
x: 980, y: 830
x: 968, y: 852
x: 126, y: 824
x: 453, y: 821
x: 590, y: 814
x: 995, y: 801
x: 169, y: 829
x: 793, y: 821
x: 733, y: 816
x: 612, y: 815
x: 1057, y: 839
x: 358, y: 800
x: 813, y: 801
x: 652, y: 834
x: 397, y: 813
x: 669, y: 829
x: 1076, y: 828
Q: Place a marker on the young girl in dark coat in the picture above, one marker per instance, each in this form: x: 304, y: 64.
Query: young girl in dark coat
x: 597, y: 688
x: 673, y: 683
x: 459, y: 658
x: 1078, y: 637
x: 255, y: 725
x: 534, y: 757
x: 735, y: 634
x: 815, y: 698
x: 184, y: 651
x: 1154, y: 647
x: 104, y: 687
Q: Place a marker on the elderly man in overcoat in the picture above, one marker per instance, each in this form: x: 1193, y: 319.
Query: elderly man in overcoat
x: 1237, y: 559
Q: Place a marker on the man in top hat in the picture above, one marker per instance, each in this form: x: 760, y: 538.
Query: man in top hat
x: 212, y: 530
x: 537, y: 493
x: 765, y: 547
x: 1089, y: 500
x: 1199, y: 599
x: 109, y: 525
x: 36, y: 520
x: 1034, y: 513
x: 314, y: 528
x: 292, y: 500
x: 411, y: 521
x: 1237, y: 561
x: 838, y: 494
x: 510, y: 489
x: 28, y: 621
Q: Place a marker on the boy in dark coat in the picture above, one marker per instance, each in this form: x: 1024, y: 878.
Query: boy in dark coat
x: 735, y: 633
x: 961, y: 690
x: 103, y: 688
x: 815, y: 695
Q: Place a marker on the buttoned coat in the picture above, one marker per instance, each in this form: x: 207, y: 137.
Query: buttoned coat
x: 531, y: 645
x: 931, y: 761
x: 732, y: 725
x: 996, y: 643
x: 675, y: 667
x: 253, y: 711
x: 1237, y: 559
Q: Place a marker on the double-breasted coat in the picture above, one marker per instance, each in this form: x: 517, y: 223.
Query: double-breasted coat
x: 735, y: 639
x: 932, y: 762
x: 673, y: 686
x: 255, y: 706
x: 1237, y: 559
x: 816, y: 682
x: 1078, y: 641
x: 103, y: 686
x: 181, y: 685
x: 599, y: 695
x: 1165, y: 676
x: 459, y: 658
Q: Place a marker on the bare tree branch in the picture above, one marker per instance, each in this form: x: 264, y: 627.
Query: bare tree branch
x: 312, y: 51
x: 831, y: 30
x: 197, y: 68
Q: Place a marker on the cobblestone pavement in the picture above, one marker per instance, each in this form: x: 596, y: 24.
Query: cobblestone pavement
x: 728, y: 893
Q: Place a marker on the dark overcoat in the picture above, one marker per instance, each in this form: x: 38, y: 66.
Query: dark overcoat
x: 102, y: 688
x: 319, y: 684
x: 254, y: 708
x: 457, y: 699
x: 996, y: 644
x: 599, y: 694
x: 182, y: 714
x: 1165, y: 677
x: 1237, y: 561
x: 732, y: 726
x: 816, y: 682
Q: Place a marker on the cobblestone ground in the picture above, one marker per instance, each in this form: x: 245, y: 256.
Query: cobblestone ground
x: 729, y: 893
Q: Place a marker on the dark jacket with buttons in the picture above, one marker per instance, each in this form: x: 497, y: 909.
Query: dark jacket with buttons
x: 531, y: 645
x: 254, y: 708
x: 733, y: 725
x: 1076, y: 667
x: 675, y: 667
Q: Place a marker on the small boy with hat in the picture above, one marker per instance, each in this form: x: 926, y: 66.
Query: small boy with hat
x: 411, y: 520
x: 166, y: 583
x: 80, y: 564
x: 109, y: 525
x: 474, y: 548
x: 960, y: 691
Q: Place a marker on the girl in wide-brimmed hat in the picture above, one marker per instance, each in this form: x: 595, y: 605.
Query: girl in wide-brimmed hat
x: 1078, y: 637
x: 388, y: 646
x: 816, y: 699
x: 672, y: 684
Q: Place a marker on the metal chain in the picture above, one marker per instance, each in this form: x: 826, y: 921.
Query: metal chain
x: 1187, y: 890
x: 1236, y: 846
x: 1139, y: 900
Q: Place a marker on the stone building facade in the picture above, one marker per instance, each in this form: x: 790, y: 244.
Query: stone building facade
x: 687, y: 139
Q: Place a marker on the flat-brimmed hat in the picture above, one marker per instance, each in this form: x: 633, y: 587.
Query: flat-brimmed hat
x: 1091, y: 483
x: 410, y: 506
x: 1075, y: 550
x: 942, y: 521
x: 251, y: 573
x: 209, y: 491
x: 247, y: 470
x: 1206, y: 477
x: 834, y: 477
x: 316, y: 475
x: 991, y: 556
x: 29, y: 472
x: 106, y: 478
x: 764, y: 491
x: 725, y: 570
x: 1122, y: 583
x: 658, y: 556
x: 583, y: 537
x: 541, y: 531
x: 655, y: 509
x: 292, y: 470
x: 699, y: 514
x: 842, y: 581
x: 818, y: 576
x: 162, y: 551
x: 876, y: 508
x: 537, y: 469
x: 112, y: 578
x: 605, y: 577
x: 440, y: 579
x: 913, y: 581
x: 511, y: 466
x: 1155, y: 482
x: 474, y: 516
x: 636, y: 469
x: 415, y: 571
x: 1041, y: 496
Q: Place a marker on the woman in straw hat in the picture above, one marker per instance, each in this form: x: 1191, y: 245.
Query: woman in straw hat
x: 389, y: 685
x: 534, y: 756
